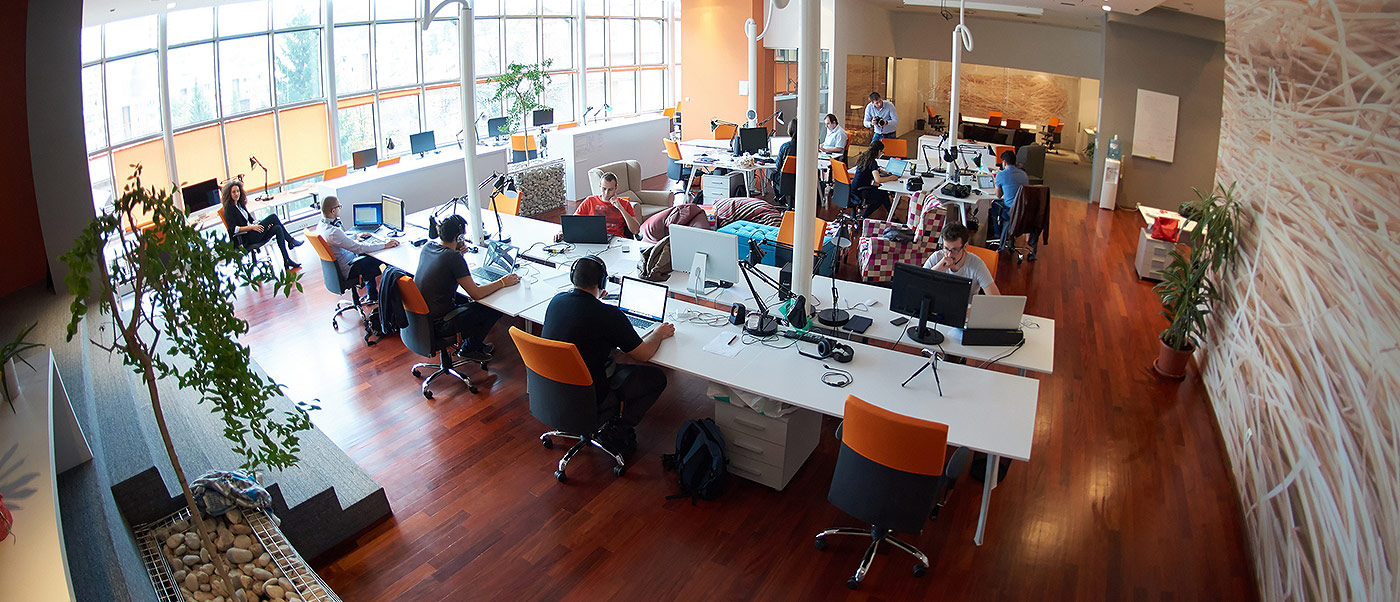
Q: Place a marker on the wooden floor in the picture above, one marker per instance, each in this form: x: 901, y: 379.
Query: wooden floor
x: 1127, y: 495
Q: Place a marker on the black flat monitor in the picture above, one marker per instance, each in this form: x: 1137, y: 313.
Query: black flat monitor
x: 393, y: 212
x: 930, y: 296
x: 542, y: 117
x: 364, y: 158
x: 753, y: 140
x: 423, y: 142
x: 201, y: 195
x: 497, y: 127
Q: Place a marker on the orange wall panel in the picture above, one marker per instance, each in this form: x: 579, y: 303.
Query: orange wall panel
x: 715, y: 56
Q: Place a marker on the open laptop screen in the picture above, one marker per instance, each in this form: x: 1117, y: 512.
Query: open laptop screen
x: 368, y: 214
x: 643, y: 299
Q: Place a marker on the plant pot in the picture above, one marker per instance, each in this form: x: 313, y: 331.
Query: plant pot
x: 1171, y: 363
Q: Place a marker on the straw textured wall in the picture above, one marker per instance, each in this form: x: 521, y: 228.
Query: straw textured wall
x: 1305, y: 369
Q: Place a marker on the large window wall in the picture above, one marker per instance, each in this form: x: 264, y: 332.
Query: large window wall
x: 302, y: 84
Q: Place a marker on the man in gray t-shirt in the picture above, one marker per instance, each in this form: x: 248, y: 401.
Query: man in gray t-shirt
x: 955, y: 259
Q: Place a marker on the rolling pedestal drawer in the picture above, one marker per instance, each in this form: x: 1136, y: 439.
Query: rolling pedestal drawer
x: 765, y: 449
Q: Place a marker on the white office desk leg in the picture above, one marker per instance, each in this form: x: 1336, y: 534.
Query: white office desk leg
x: 962, y: 207
x: 1020, y: 372
x: 989, y: 483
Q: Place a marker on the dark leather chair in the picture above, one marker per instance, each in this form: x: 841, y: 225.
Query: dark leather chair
x: 428, y: 338
x: 888, y: 475
x: 243, y: 240
x: 562, y: 396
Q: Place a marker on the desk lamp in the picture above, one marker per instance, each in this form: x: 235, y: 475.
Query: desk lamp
x: 504, y: 185
x: 766, y: 325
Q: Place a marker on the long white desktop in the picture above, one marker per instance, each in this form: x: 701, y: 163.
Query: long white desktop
x: 582, y: 148
x: 421, y: 183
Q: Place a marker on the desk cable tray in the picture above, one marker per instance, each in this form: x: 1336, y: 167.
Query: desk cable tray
x: 306, y: 584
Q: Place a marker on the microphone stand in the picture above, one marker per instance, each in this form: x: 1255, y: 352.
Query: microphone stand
x: 766, y: 325
x: 498, y: 188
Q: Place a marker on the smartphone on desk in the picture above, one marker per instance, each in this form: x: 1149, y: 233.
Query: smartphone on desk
x: 900, y: 321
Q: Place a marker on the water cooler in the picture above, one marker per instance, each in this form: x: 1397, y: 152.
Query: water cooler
x: 1108, y: 192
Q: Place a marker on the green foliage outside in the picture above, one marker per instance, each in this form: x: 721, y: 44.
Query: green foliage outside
x: 522, y: 88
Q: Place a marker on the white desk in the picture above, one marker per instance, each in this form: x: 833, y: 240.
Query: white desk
x: 1029, y: 127
x: 421, y: 183
x: 900, y: 189
x: 587, y: 146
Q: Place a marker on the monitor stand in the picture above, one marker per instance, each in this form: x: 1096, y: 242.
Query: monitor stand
x: 922, y: 334
x: 696, y: 284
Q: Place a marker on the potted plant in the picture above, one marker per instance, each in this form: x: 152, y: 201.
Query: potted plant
x: 178, y: 323
x: 9, y: 381
x: 1189, y: 287
x: 521, y: 87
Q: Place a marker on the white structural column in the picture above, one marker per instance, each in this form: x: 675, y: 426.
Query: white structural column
x: 466, y: 28
x: 163, y: 73
x: 328, y: 76
x: 751, y: 32
x: 808, y: 70
x: 962, y: 37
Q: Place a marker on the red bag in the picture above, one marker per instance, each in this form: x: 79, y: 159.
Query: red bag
x: 1166, y: 228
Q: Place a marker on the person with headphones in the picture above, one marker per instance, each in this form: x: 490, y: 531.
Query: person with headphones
x: 441, y: 269
x: 579, y: 316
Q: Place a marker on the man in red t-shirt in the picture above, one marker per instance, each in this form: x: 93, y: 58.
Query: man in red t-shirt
x: 617, y: 210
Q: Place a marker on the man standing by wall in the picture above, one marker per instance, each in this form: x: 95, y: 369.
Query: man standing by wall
x: 880, y: 117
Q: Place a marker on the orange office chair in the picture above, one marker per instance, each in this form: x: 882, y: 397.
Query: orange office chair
x: 427, y: 339
x: 239, y: 237
x: 725, y: 131
x: 994, y: 119
x: 335, y: 172
x: 387, y: 162
x: 896, y: 147
x: 998, y: 150
x: 1014, y: 124
x: 507, y: 203
x: 523, y: 147
x: 889, y: 473
x: 335, y: 283
x: 674, y: 169
x: 841, y: 186
x: 987, y: 256
x: 787, y: 182
x: 785, y: 230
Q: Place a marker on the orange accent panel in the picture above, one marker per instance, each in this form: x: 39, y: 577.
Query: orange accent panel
x: 790, y: 165
x: 896, y: 147
x: 726, y: 131
x: 305, y: 141
x: 565, y: 126
x: 522, y: 142
x: 673, y: 150
x: 669, y: 112
x: 894, y: 440
x: 509, y: 205
x: 388, y: 162
x: 398, y: 94
x: 785, y: 230
x: 355, y: 101
x: 200, y: 154
x: 221, y: 217
x: 335, y: 172
x: 441, y: 86
x: 1054, y: 121
x: 556, y: 360
x: 412, y: 299
x: 1060, y: 128
x: 318, y: 242
x: 253, y: 136
x: 839, y: 172
x: 988, y: 257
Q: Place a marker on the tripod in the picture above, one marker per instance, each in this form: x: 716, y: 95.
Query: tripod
x: 933, y: 361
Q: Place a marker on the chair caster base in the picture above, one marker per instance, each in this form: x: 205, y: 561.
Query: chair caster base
x: 619, y: 470
x: 920, y: 570
x: 820, y: 544
x: 559, y: 474
x: 547, y: 442
x: 428, y: 394
x: 852, y: 583
x: 417, y: 374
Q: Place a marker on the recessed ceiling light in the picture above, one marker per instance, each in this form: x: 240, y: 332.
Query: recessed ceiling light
x: 1107, y: 8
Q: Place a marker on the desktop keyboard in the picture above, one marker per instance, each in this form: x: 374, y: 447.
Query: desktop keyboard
x: 806, y: 337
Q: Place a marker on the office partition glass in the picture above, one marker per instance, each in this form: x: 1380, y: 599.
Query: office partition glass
x: 522, y: 43
x: 356, y: 120
x: 90, y: 44
x: 94, y: 118
x: 350, y: 11
x: 557, y: 42
x: 442, y: 113
x: 488, y: 46
x: 385, y: 10
x: 440, y: 51
x: 623, y: 92
x: 398, y: 118
x: 556, y: 7
x: 396, y: 55
x: 352, y: 66
x: 130, y: 36
x: 244, y: 82
x: 133, y: 98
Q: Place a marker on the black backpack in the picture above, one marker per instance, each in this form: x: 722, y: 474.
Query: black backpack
x: 700, y: 461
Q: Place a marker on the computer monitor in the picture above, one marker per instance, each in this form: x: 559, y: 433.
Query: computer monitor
x: 753, y: 140
x: 393, y: 212
x: 542, y: 117
x: 364, y: 158
x: 497, y: 127
x: 367, y: 216
x: 922, y: 293
x: 201, y: 195
x: 423, y: 142
x: 721, y: 255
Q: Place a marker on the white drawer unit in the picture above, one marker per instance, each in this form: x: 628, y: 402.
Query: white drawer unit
x: 1153, y: 255
x: 764, y: 449
x: 718, y: 187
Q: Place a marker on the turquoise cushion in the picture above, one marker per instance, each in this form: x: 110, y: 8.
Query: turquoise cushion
x: 765, y: 235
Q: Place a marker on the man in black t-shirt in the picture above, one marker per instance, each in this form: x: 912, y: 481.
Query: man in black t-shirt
x: 441, y: 269
x: 578, y: 316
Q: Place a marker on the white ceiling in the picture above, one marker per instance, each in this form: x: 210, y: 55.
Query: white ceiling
x: 1078, y: 14
x: 96, y: 12
x: 1212, y: 9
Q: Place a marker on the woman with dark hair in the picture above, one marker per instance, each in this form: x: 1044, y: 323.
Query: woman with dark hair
x: 249, y: 233
x: 788, y: 149
x: 865, y: 184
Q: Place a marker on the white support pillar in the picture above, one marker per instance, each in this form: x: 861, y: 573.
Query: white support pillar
x: 962, y: 37
x: 328, y: 76
x: 466, y: 29
x: 168, y: 138
x: 751, y: 32
x: 808, y: 70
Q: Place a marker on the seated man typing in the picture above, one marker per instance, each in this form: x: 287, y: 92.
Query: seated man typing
x: 955, y: 259
x: 621, y: 217
x: 441, y: 269
x: 351, y: 253
x: 578, y: 316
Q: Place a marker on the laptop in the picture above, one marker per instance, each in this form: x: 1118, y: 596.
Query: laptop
x: 585, y: 229
x: 897, y: 166
x: 644, y: 303
x: 1000, y: 312
x: 367, y: 217
x: 501, y: 259
x: 987, y: 183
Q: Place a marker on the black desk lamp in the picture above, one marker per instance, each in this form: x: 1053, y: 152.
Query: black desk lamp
x: 504, y: 185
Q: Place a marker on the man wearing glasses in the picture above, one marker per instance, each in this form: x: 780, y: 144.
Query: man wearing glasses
x: 954, y: 259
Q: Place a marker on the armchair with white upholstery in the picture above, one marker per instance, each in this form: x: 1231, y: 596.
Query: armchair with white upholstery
x: 629, y: 179
x: 877, y: 255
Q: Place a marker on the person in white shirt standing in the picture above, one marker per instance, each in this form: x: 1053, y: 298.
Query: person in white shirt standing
x: 835, y: 140
x: 880, y: 116
x: 351, y: 252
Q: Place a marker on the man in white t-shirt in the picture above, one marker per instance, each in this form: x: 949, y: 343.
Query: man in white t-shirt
x: 835, y: 140
x: 954, y: 258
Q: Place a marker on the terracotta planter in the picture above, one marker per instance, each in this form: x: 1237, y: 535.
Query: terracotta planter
x: 1170, y: 362
x: 7, y: 521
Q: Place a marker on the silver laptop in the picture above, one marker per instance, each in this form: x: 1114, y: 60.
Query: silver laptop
x: 1002, y: 312
x: 501, y: 259
x: 986, y: 183
x: 644, y: 304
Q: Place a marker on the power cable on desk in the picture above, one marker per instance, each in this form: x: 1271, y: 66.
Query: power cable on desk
x: 691, y: 316
x: 1004, y: 355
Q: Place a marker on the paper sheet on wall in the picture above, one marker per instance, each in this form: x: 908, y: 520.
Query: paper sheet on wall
x: 1154, y: 126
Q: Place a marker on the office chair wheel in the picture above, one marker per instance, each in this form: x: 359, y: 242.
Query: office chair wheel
x: 428, y: 394
x: 820, y: 544
x: 619, y: 470
x: 559, y: 474
x: 547, y: 442
x: 851, y: 583
x: 417, y: 374
x: 473, y: 389
x: 920, y: 570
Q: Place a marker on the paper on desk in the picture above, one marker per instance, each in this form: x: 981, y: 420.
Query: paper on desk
x: 557, y: 280
x: 720, y: 345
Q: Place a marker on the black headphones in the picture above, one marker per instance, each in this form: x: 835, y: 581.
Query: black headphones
x: 603, y: 283
x: 830, y: 348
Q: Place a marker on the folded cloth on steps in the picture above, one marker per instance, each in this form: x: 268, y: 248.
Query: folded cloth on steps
x: 219, y: 491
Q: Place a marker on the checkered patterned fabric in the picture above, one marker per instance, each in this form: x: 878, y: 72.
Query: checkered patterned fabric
x: 877, y: 256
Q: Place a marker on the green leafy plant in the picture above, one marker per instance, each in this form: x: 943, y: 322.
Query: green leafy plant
x: 521, y: 87
x: 1089, y: 149
x: 1189, y: 287
x: 12, y: 350
x: 178, y: 322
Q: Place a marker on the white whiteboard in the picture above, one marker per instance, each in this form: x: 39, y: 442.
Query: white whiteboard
x: 1154, y: 126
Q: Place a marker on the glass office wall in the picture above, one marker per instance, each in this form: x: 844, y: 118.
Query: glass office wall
x: 253, y: 79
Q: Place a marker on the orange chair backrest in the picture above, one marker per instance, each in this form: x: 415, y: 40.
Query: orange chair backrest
x: 411, y: 297
x: 725, y: 131
x: 998, y: 150
x: 387, y: 162
x: 987, y: 256
x: 318, y: 243
x: 673, y: 150
x: 790, y: 165
x: 669, y: 111
x: 896, y: 147
x: 508, y: 204
x: 222, y: 218
x: 839, y: 172
x: 900, y: 442
x: 522, y: 142
x: 335, y: 172
x: 567, y: 125
x: 1060, y: 128
x: 1054, y: 121
x: 556, y: 360
x: 785, y: 230
x: 1013, y: 123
